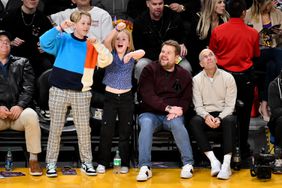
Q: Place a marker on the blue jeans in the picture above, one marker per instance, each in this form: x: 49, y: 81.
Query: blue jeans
x: 149, y: 123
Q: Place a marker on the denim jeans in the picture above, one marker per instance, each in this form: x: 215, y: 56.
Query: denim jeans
x: 149, y: 123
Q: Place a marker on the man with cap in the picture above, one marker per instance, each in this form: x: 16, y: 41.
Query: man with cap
x: 214, y: 97
x: 16, y: 91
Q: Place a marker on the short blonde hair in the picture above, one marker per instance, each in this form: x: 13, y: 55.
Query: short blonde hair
x: 76, y: 15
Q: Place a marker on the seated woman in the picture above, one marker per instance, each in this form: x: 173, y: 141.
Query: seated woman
x: 275, y: 123
x: 214, y: 97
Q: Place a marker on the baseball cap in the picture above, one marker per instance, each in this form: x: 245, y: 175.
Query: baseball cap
x: 6, y: 33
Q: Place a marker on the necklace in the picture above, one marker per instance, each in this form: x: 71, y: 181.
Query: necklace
x: 32, y: 19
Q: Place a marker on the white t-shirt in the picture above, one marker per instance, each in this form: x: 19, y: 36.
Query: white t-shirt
x: 100, y: 27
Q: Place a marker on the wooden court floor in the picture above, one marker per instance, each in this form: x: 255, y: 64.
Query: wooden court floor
x: 162, y: 178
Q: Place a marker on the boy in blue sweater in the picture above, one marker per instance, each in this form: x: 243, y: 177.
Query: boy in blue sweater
x: 71, y: 80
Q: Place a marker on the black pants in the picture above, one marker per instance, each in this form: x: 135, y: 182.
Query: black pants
x: 120, y: 105
x: 245, y: 93
x: 227, y: 126
x: 278, y: 131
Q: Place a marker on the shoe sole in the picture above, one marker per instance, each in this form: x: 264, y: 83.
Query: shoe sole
x: 88, y: 174
x: 141, y: 180
x: 51, y: 175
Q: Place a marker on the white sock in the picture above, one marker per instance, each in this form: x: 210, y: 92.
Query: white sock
x: 210, y: 155
x: 33, y: 156
x: 227, y: 159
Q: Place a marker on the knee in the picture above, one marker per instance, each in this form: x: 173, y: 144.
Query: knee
x: 30, y: 117
x: 229, y: 120
x: 145, y: 124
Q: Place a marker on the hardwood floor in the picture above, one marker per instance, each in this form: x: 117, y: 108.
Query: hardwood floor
x: 162, y: 178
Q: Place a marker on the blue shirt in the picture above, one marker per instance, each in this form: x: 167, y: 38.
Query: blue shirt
x: 118, y: 75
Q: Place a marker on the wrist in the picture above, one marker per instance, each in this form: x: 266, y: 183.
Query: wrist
x: 168, y: 108
x: 61, y: 28
x: 118, y: 30
x: 182, y: 8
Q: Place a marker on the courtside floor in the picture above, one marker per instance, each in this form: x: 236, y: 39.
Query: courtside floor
x: 162, y: 178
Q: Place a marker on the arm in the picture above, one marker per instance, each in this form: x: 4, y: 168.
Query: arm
x: 108, y: 40
x: 274, y: 100
x: 197, y: 99
x: 230, y: 97
x: 27, y: 86
x: 105, y: 57
x: 106, y: 26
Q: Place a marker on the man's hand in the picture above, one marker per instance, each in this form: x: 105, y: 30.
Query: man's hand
x: 17, y: 42
x: 15, y: 112
x: 183, y: 51
x: 174, y: 112
x: 176, y: 7
x: 211, y: 121
x: 4, y: 112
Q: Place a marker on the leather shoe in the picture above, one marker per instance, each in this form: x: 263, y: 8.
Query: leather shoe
x: 34, y: 168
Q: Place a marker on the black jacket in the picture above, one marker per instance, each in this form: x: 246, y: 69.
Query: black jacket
x: 18, y: 86
x: 150, y: 39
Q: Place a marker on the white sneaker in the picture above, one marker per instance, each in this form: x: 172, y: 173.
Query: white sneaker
x: 215, y: 167
x: 101, y: 169
x: 51, y: 170
x: 224, y: 173
x: 144, y: 174
x: 88, y: 169
x: 187, y: 171
x: 124, y: 170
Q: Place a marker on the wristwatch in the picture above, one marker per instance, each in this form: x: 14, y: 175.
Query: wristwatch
x: 182, y: 8
x: 168, y: 108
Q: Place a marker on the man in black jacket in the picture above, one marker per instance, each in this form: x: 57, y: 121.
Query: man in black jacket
x: 16, y: 91
x: 152, y: 28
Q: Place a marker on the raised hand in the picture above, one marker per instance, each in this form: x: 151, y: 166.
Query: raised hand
x: 120, y: 26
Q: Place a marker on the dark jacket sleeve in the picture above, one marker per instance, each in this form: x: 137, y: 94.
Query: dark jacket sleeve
x: 274, y: 101
x: 186, y: 98
x: 27, y: 87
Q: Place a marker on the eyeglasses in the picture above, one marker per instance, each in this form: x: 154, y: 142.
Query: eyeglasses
x: 5, y: 42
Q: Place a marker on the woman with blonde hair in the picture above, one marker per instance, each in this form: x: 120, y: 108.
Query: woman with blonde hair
x: 267, y: 20
x: 212, y: 14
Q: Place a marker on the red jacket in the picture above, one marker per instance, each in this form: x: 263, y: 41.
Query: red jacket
x: 235, y: 44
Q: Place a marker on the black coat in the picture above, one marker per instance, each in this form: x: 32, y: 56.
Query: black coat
x: 150, y: 39
x: 18, y: 86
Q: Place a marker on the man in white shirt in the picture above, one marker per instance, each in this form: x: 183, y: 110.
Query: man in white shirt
x: 214, y: 97
x: 101, y: 24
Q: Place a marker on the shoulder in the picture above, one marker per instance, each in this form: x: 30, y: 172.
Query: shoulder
x: 18, y: 60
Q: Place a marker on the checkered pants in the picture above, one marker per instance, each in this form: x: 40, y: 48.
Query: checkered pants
x: 59, y: 100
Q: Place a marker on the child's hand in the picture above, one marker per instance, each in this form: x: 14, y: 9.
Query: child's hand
x: 135, y: 55
x: 66, y: 24
x: 120, y: 26
x: 92, y: 40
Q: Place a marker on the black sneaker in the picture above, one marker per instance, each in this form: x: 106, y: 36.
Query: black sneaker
x: 88, y: 169
x: 51, y: 170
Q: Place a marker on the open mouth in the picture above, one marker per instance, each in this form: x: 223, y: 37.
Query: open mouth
x: 119, y: 45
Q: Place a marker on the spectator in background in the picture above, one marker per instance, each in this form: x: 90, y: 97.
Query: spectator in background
x: 117, y: 9
x: 235, y: 45
x: 262, y: 16
x: 101, y: 24
x: 275, y: 123
x: 54, y: 6
x: 16, y: 91
x: 26, y: 24
x: 7, y: 6
x: 212, y: 14
x: 152, y: 28
x: 214, y: 97
x: 165, y: 91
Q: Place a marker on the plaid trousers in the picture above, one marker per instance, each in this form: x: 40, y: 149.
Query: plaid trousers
x: 59, y: 101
